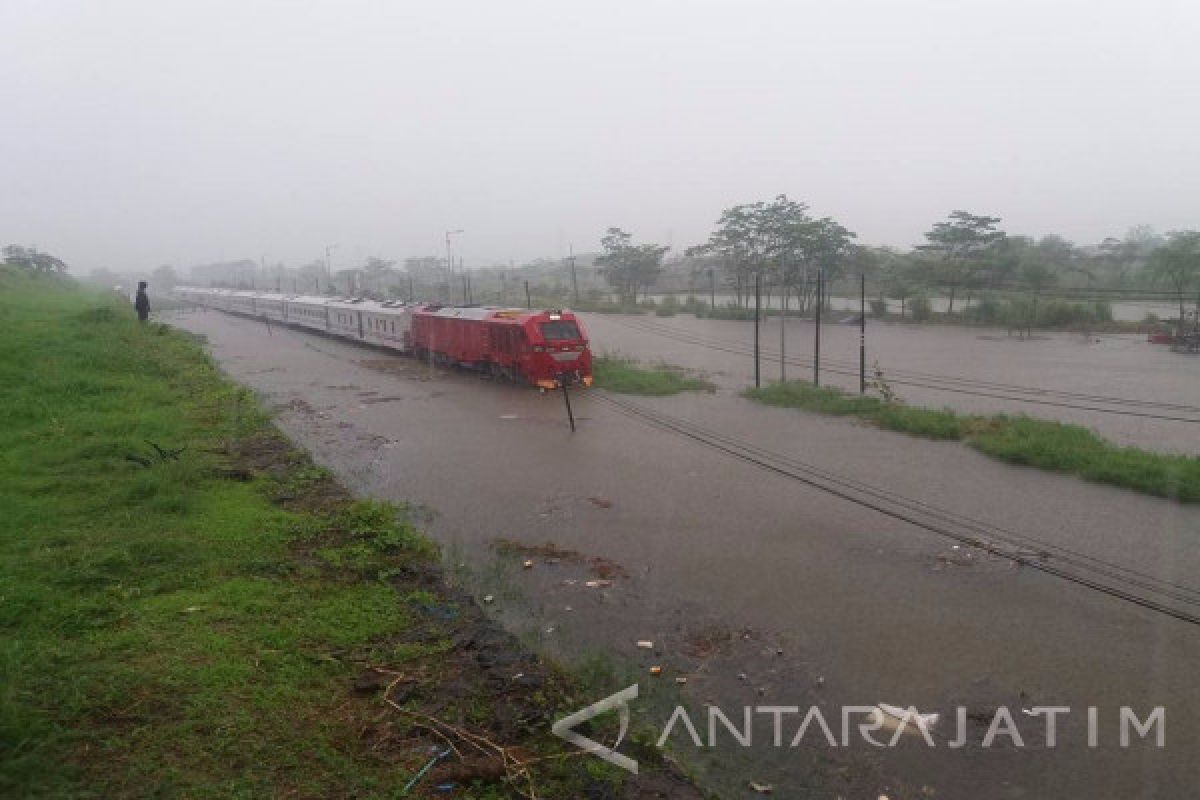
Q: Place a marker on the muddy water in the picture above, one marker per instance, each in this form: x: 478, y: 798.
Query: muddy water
x: 1100, y: 366
x: 813, y: 599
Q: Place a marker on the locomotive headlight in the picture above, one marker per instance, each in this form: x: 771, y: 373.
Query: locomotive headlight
x: 581, y: 347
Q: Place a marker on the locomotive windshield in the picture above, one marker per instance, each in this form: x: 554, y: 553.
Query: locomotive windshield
x: 560, y: 330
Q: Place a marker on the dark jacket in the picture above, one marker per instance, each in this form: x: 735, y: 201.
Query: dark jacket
x: 142, y: 303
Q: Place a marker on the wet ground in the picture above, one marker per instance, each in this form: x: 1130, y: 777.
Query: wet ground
x: 1130, y: 391
x: 761, y: 589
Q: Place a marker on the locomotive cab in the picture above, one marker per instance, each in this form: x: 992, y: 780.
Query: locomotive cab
x: 559, y: 350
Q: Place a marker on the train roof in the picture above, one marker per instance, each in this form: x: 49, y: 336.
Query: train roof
x: 378, y: 306
x: 492, y: 312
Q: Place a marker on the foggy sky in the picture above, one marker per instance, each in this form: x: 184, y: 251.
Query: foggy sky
x: 140, y: 132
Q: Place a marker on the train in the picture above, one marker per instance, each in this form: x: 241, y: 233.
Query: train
x: 543, y: 348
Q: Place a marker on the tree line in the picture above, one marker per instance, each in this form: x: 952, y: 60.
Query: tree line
x: 962, y: 257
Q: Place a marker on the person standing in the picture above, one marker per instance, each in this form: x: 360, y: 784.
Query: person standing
x: 141, y: 302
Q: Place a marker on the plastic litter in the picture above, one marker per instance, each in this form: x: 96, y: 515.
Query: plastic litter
x: 656, y: 670
x: 762, y: 788
x: 645, y: 644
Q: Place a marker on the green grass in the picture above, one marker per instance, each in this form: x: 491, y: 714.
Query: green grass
x: 628, y: 377
x: 192, y: 626
x: 1044, y: 444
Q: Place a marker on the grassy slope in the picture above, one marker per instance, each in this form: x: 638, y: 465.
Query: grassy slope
x: 1020, y: 440
x: 193, y: 627
x: 627, y: 377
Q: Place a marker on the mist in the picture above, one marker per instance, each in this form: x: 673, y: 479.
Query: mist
x: 142, y: 133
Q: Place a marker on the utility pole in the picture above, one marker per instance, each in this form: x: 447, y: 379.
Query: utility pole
x: 528, y: 302
x: 712, y: 289
x: 329, y: 264
x: 410, y: 288
x: 757, y: 294
x: 562, y: 381
x: 862, y: 335
x: 817, y: 337
x: 450, y: 266
x: 782, y: 338
x: 574, y: 278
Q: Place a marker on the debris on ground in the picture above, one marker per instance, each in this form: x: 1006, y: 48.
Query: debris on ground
x: 762, y: 788
x: 645, y: 644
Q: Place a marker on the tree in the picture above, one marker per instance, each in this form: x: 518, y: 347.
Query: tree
x: 960, y: 247
x: 376, y: 272
x: 628, y: 267
x: 899, y: 278
x: 29, y: 258
x: 779, y: 242
x: 1177, y: 264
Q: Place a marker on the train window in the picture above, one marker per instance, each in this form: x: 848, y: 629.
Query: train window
x: 559, y: 330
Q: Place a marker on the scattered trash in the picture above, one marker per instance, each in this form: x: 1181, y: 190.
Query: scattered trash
x: 820, y: 680
x: 509, y: 416
x: 656, y: 670
x: 568, y: 582
x: 681, y: 681
x: 762, y: 691
x: 487, y: 598
x: 645, y: 644
x: 742, y: 676
x: 528, y: 563
x: 598, y: 584
x: 192, y: 609
x: 421, y: 773
x: 567, y: 608
x: 894, y: 716
x: 551, y: 561
x: 762, y: 788
x: 444, y: 787
x: 778, y: 651
x: 600, y: 502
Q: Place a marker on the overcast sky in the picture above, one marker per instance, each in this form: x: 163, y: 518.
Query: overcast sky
x: 136, y: 133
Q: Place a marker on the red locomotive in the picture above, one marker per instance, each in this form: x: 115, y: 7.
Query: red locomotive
x: 543, y: 348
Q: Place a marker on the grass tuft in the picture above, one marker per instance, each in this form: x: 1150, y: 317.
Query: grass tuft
x: 625, y: 376
x: 1045, y: 444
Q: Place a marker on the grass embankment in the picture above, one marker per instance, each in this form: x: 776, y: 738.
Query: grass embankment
x: 1022, y: 440
x: 190, y: 608
x: 625, y: 376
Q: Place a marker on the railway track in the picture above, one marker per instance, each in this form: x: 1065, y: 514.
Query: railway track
x: 1171, y: 599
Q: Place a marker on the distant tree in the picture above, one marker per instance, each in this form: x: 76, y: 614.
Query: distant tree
x: 960, y: 248
x: 781, y: 243
x: 29, y: 258
x: 899, y: 277
x: 376, y: 273
x: 628, y: 267
x: 1177, y: 264
x: 164, y: 278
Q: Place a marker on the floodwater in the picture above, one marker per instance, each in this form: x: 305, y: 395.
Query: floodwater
x: 1122, y: 311
x: 1128, y: 390
x: 823, y: 600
